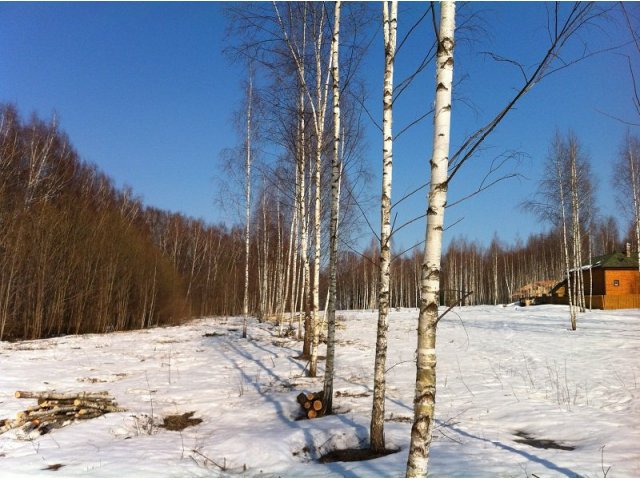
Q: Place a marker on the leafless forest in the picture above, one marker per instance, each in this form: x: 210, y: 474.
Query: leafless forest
x: 81, y: 256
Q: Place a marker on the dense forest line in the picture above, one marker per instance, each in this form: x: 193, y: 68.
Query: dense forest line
x: 79, y: 255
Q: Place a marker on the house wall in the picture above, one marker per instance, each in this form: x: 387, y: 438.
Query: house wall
x: 597, y: 280
x: 603, y: 302
x: 628, y: 282
x: 615, y: 302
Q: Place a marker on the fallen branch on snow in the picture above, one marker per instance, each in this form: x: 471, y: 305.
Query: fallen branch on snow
x: 55, y: 410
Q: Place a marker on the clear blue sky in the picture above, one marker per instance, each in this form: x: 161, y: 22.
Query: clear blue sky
x: 144, y: 92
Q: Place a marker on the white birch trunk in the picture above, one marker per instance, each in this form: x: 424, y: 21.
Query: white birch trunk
x: 425, y: 394
x: 565, y: 241
x: 265, y: 284
x: 247, y: 193
x: 390, y: 23
x: 575, y: 214
x: 315, y: 288
x: 304, y: 235
x: 289, y: 281
x: 333, y: 225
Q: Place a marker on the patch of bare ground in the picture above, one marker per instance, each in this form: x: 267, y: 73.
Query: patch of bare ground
x: 528, y: 439
x: 354, y: 455
x: 180, y: 422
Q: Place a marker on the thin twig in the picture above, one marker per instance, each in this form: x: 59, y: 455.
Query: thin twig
x: 457, y: 302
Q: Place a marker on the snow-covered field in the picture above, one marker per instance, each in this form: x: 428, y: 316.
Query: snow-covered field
x: 505, y: 375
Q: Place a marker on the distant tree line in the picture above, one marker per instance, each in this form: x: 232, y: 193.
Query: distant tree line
x: 79, y: 255
x: 489, y: 275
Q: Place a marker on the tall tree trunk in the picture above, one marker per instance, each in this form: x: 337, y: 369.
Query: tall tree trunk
x: 315, y: 288
x: 304, y: 240
x: 289, y: 280
x: 265, y: 288
x: 425, y: 394
x: 390, y: 23
x: 565, y: 240
x: 247, y: 217
x: 333, y: 225
x: 575, y: 217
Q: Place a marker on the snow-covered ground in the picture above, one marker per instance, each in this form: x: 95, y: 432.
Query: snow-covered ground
x: 505, y: 374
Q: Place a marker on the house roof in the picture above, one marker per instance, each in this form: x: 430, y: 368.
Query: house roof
x: 615, y: 260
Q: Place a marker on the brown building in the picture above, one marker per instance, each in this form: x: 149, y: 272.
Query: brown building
x: 610, y: 282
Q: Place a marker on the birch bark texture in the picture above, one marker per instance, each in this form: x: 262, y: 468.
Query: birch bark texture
x: 247, y: 193
x: 304, y: 224
x: 333, y: 224
x: 390, y: 23
x: 425, y: 393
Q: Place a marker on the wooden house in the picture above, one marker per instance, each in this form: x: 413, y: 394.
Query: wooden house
x: 610, y: 282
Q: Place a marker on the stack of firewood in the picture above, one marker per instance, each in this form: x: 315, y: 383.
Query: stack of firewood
x: 312, y: 403
x: 55, y: 410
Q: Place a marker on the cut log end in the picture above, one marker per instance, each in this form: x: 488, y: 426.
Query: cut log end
x: 312, y: 403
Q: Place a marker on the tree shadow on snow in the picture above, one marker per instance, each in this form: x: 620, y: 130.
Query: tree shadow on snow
x: 284, y: 415
x: 361, y: 431
x: 529, y: 456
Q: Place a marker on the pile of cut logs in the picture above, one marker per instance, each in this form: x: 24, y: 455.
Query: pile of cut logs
x: 312, y: 403
x: 55, y: 410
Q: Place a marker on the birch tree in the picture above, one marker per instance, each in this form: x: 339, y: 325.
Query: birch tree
x: 318, y: 99
x: 425, y: 393
x: 390, y: 23
x: 576, y: 223
x: 560, y: 178
x: 564, y: 191
x: 247, y: 197
x: 321, y: 95
x: 335, y: 206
